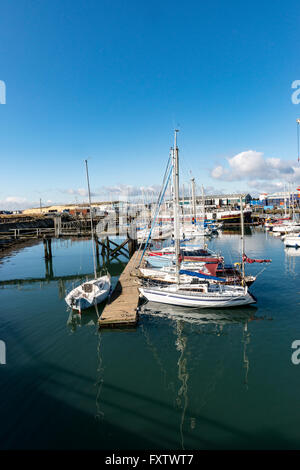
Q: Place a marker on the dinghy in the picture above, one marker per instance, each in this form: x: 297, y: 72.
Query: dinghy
x: 90, y: 293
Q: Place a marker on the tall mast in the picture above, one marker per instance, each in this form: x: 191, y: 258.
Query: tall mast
x: 293, y: 204
x: 284, y: 200
x: 194, y: 199
x: 243, y: 240
x: 183, y: 207
x: 175, y: 204
x: 91, y: 217
x: 203, y: 204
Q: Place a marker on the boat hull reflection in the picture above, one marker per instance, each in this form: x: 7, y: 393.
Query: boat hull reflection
x: 220, y: 316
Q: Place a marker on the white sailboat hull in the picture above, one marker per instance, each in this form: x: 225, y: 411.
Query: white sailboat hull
x: 287, y: 228
x: 205, y: 300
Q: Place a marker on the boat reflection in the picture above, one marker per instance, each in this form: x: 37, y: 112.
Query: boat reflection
x: 200, y: 316
x: 75, y: 320
x: 181, y: 318
x: 292, y: 251
x: 291, y: 254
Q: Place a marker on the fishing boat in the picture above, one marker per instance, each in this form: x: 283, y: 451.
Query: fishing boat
x: 233, y: 216
x: 203, y: 295
x: 96, y: 290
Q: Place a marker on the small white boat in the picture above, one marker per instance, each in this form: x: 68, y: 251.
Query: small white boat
x: 158, y: 233
x: 194, y: 231
x: 89, y: 293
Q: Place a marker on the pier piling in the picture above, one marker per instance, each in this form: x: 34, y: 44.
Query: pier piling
x: 47, y: 248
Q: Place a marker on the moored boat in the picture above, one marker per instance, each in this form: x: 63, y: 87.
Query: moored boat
x: 96, y: 290
x: 90, y: 293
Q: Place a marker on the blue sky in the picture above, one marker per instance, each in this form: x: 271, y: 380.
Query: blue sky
x: 110, y: 80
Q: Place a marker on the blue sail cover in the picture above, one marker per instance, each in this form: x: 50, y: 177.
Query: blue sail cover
x: 202, y: 276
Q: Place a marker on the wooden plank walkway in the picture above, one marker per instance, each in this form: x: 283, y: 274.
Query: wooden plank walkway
x: 122, y: 309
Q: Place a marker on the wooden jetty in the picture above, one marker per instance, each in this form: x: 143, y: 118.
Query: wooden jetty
x: 122, y: 309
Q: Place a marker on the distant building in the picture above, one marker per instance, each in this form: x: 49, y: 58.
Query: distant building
x: 279, y: 199
x: 221, y: 200
x: 66, y: 208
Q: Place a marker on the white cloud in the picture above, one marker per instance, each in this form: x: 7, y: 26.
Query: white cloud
x: 15, y: 199
x: 217, y: 172
x: 266, y: 186
x: 14, y: 203
x: 120, y: 191
x: 258, y: 171
x: 77, y: 192
x: 128, y: 190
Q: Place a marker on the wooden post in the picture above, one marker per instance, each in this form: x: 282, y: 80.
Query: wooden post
x: 132, y: 243
x: 97, y: 254
x: 51, y: 275
x: 97, y: 246
x: 130, y: 246
x: 45, y: 248
x: 49, y: 248
x: 107, y: 248
x: 57, y: 225
x: 103, y: 247
x: 46, y: 268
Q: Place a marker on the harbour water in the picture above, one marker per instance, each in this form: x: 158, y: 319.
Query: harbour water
x: 183, y: 379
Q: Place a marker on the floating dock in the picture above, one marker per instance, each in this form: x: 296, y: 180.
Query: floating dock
x: 122, y: 309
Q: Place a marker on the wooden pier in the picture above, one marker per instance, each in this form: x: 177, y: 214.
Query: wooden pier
x: 122, y: 309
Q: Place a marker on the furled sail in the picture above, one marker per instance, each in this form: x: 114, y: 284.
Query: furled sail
x: 250, y: 260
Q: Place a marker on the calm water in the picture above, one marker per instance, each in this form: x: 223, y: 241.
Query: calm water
x: 209, y: 380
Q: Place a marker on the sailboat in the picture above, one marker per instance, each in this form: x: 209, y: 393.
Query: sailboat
x: 98, y: 289
x: 201, y: 295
